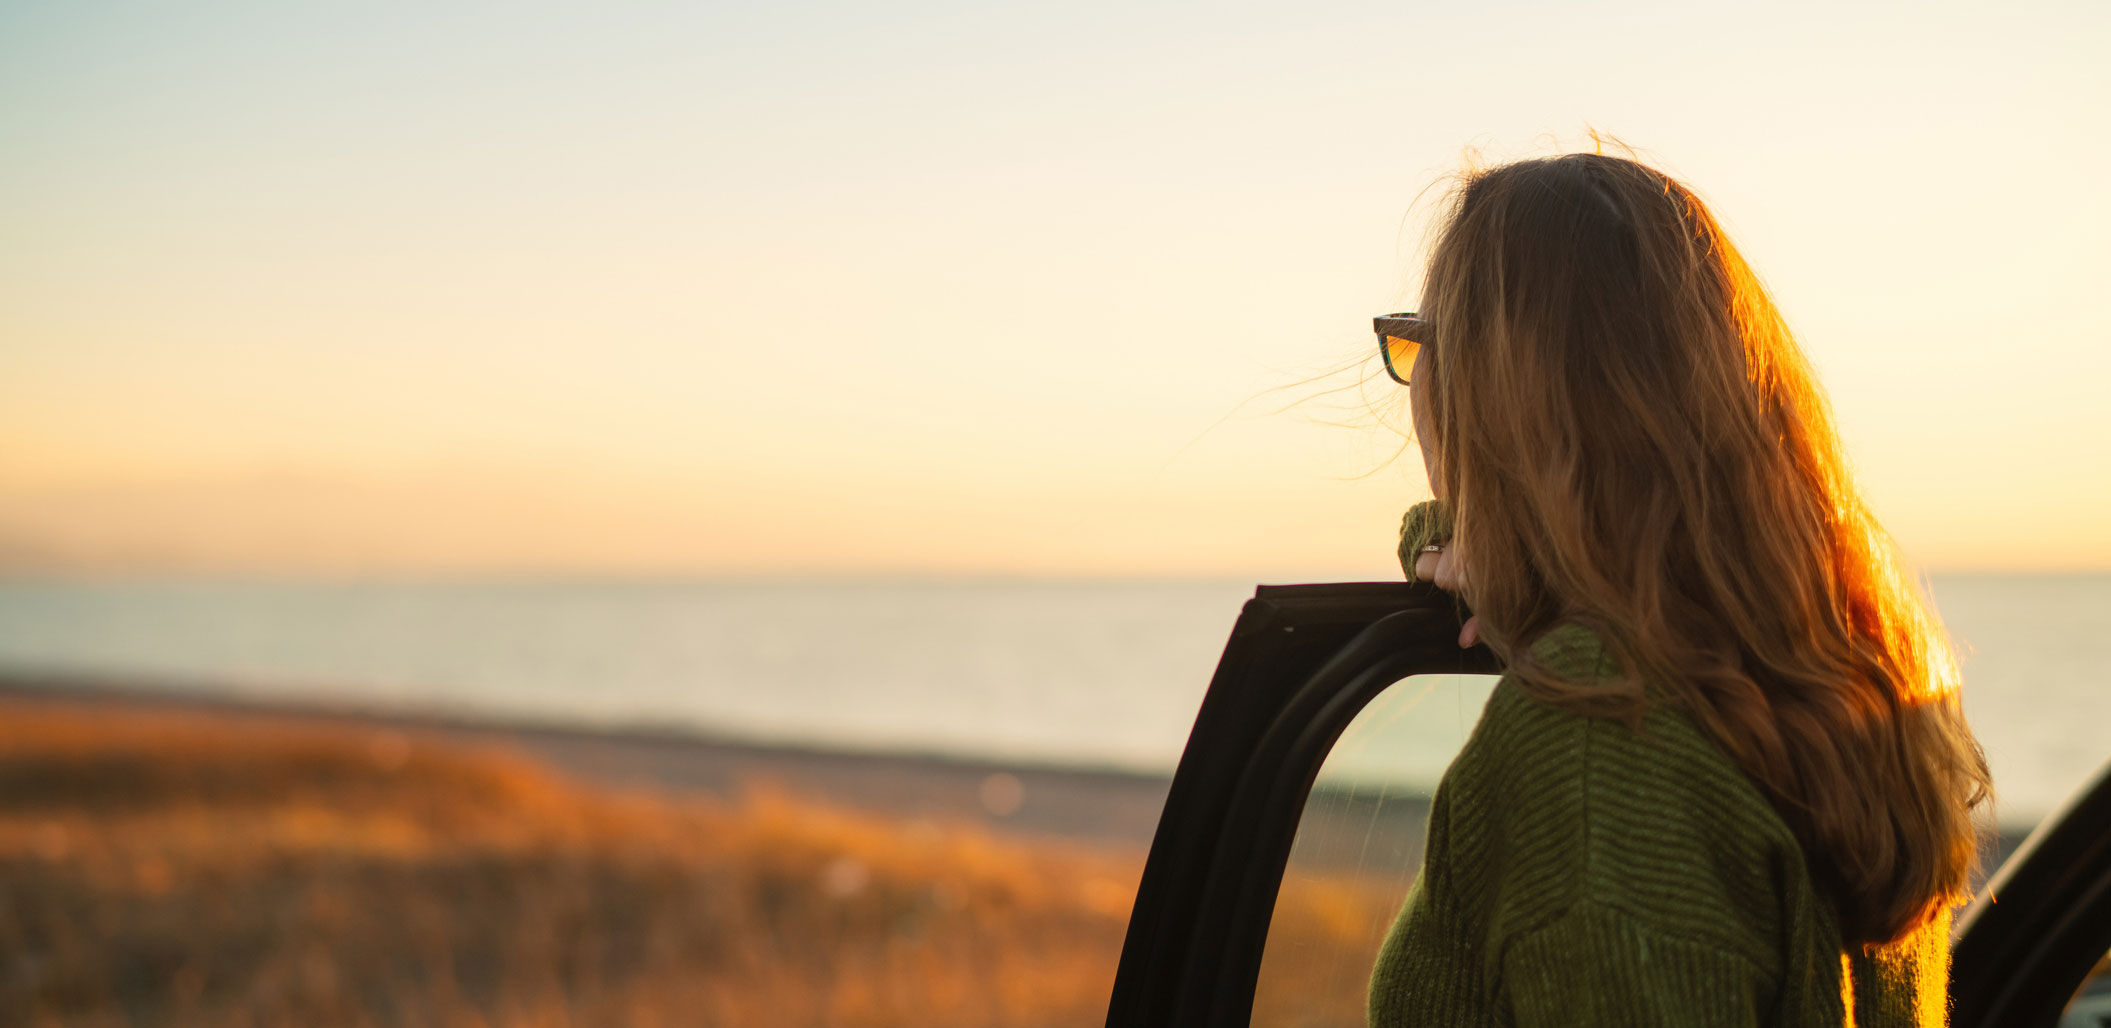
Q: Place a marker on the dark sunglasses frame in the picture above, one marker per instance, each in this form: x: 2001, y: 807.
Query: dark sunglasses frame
x: 1409, y: 326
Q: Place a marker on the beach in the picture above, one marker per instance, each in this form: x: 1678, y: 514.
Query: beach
x: 181, y: 859
x: 1030, y: 800
x: 193, y: 857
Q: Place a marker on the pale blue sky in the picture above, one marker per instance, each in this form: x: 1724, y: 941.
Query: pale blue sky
x: 962, y: 287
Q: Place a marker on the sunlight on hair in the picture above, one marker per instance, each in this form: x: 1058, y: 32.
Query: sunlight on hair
x: 1633, y: 439
x: 1915, y: 631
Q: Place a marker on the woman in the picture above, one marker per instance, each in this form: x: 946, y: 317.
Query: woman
x: 1725, y: 779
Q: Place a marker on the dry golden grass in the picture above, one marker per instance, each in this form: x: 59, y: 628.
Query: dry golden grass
x: 170, y: 868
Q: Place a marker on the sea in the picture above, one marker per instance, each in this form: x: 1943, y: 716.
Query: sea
x: 1071, y: 673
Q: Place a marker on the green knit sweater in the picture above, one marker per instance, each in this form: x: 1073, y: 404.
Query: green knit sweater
x: 1581, y: 873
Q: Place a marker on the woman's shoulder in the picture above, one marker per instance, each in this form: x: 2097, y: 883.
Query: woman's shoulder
x: 1525, y: 732
x: 1652, y: 820
x: 1520, y: 732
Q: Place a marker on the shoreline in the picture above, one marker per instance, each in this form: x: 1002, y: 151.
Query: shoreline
x: 1021, y: 798
x: 1028, y: 800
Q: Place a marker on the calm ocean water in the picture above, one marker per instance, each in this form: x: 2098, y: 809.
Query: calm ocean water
x: 1104, y: 674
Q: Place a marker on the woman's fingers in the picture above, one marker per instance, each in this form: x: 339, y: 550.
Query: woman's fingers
x: 1440, y: 567
x: 1436, y: 565
x: 1447, y: 573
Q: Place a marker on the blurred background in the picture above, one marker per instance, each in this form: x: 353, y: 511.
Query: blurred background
x: 541, y: 513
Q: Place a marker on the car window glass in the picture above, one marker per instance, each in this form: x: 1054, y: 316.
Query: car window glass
x: 1357, y: 849
x: 2091, y: 1005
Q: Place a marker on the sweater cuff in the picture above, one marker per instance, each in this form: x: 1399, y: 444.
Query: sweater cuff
x: 1424, y: 523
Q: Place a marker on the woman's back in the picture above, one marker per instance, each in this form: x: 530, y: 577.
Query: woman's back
x: 1727, y: 778
x: 1580, y: 871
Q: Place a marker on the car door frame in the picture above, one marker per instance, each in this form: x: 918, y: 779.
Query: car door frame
x: 1304, y: 660
x: 2042, y: 921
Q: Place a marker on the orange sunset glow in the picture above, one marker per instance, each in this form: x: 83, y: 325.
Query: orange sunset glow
x: 962, y: 293
x: 835, y: 514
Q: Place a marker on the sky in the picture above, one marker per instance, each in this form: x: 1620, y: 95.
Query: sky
x: 936, y: 288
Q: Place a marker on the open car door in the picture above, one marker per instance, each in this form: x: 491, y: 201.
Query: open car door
x: 1303, y: 663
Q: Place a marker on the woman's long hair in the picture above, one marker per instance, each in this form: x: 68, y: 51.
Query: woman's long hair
x: 1630, y: 439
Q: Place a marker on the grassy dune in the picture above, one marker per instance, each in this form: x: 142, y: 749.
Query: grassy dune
x: 171, y: 868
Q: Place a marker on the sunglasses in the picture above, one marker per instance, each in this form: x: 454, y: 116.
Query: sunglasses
x: 1400, y: 338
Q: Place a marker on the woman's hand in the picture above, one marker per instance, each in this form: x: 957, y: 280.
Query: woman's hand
x: 1438, y: 564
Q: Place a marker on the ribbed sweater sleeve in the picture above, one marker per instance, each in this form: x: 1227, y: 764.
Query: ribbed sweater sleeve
x: 1424, y: 523
x: 1596, y: 966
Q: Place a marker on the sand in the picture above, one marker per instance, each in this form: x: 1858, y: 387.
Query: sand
x: 1020, y: 799
x: 1013, y: 798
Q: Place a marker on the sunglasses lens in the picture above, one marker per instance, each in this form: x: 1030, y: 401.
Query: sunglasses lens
x: 1400, y: 357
